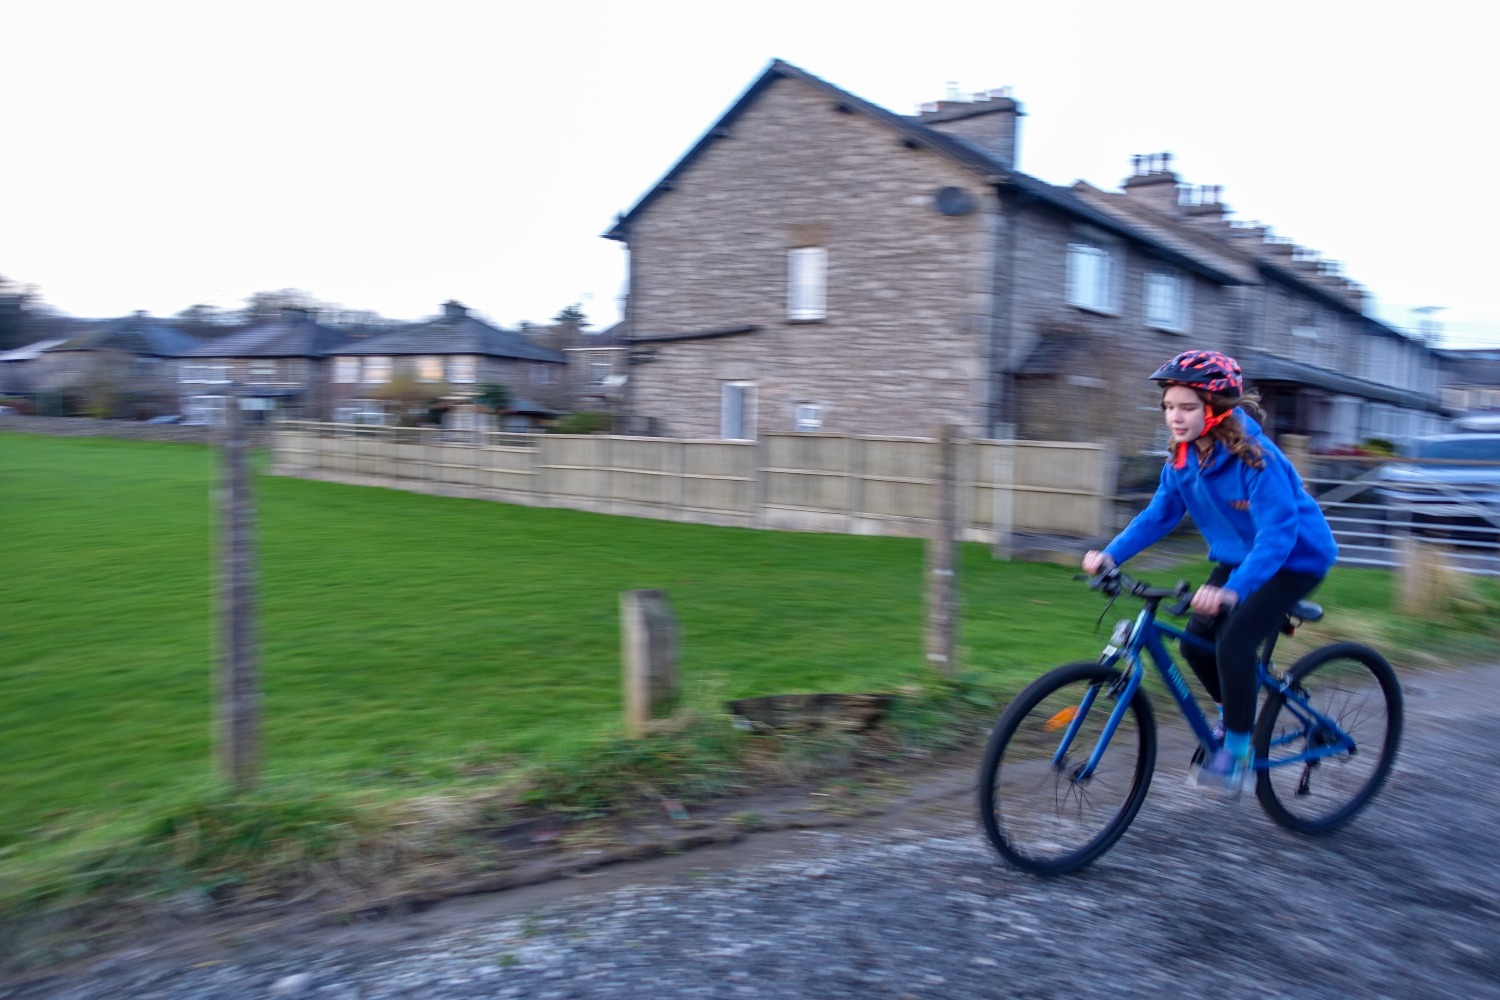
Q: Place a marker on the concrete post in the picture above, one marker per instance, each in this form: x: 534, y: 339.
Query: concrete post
x: 237, y: 698
x: 942, y: 566
x: 648, y: 632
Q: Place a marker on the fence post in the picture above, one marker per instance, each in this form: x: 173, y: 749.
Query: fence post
x: 648, y: 632
x: 1004, y: 513
x: 237, y: 701
x: 942, y: 567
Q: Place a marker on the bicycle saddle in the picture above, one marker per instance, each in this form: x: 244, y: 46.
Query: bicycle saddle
x: 1306, y: 610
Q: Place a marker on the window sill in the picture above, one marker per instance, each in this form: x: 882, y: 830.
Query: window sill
x: 1166, y: 328
x: 1096, y: 310
x: 805, y: 320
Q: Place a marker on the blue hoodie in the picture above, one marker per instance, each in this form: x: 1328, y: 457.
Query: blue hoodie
x: 1257, y: 521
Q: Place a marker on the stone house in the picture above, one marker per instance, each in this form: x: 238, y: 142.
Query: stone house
x: 597, y: 367
x: 450, y: 359
x: 1323, y: 368
x: 278, y: 366
x: 126, y: 367
x: 816, y: 262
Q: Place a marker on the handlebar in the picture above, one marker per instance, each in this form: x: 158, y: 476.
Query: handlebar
x: 1113, y: 582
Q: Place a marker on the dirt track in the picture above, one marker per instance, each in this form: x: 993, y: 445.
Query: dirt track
x: 1199, y: 899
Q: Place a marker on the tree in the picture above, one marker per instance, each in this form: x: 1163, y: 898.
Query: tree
x: 495, y: 396
x: 412, y: 398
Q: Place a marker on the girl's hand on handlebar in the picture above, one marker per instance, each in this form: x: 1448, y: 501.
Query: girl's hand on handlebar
x: 1211, y: 600
x: 1095, y: 562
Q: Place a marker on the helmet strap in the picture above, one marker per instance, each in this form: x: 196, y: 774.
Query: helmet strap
x: 1210, y: 421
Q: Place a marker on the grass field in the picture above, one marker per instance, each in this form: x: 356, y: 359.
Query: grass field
x: 412, y: 643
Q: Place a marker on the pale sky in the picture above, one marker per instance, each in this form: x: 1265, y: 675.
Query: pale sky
x: 390, y: 156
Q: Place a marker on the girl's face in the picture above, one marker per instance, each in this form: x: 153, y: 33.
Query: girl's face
x: 1184, y: 413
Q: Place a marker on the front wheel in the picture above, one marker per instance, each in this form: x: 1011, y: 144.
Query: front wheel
x: 1042, y: 812
x: 1329, y: 741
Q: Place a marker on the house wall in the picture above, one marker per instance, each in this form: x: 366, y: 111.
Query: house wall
x: 909, y: 302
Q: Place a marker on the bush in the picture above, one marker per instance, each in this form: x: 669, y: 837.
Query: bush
x: 585, y: 422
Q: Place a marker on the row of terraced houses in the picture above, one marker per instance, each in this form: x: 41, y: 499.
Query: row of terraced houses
x: 818, y: 263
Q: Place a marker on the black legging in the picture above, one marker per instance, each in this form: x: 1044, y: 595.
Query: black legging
x: 1229, y: 672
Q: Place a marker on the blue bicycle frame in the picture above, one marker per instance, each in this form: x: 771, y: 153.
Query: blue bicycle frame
x: 1146, y: 633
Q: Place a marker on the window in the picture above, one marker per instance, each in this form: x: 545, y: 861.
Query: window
x: 599, y: 371
x: 1167, y: 300
x: 263, y: 371
x: 737, y: 414
x: 346, y: 370
x: 1091, y: 275
x: 377, y: 370
x: 541, y: 374
x: 808, y: 417
x: 206, y: 410
x: 461, y: 369
x: 807, y: 283
x: 203, y: 373
x: 430, y: 369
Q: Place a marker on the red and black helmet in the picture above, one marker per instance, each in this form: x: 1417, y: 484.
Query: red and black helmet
x: 1210, y: 371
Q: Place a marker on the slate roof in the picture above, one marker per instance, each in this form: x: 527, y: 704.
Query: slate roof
x: 455, y: 332
x: 290, y: 336
x: 139, y: 335
x: 991, y: 168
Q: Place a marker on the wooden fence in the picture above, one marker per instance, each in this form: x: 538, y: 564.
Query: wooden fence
x: 797, y: 482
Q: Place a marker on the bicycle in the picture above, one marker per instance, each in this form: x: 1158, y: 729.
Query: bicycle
x: 1059, y: 784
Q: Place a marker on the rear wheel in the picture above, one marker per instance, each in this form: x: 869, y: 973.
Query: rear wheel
x: 1040, y: 811
x: 1353, y: 687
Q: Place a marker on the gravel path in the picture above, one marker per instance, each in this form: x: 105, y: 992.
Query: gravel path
x: 1199, y: 899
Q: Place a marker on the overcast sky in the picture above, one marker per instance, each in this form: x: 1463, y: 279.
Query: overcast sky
x: 390, y: 156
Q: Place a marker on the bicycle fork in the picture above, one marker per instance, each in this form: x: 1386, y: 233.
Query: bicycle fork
x: 1123, y: 689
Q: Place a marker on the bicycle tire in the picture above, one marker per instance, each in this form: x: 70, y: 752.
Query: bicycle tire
x: 1036, y: 815
x: 1356, y: 688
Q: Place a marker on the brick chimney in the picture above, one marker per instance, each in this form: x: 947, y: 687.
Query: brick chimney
x: 453, y: 311
x: 992, y: 121
x: 1154, y: 183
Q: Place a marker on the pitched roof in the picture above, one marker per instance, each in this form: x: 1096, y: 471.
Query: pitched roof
x: 137, y: 334
x: 991, y: 168
x: 455, y: 332
x: 294, y: 334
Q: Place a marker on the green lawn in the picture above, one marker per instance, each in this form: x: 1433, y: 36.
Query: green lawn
x: 412, y: 642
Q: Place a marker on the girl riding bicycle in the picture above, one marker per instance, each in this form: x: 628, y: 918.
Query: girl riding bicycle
x: 1267, y: 535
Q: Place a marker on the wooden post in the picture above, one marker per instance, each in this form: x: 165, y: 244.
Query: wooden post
x: 942, y: 567
x: 238, y: 677
x: 648, y: 632
x: 1004, y: 500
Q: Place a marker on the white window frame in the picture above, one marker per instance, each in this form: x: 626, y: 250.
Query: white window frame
x: 360, y: 411
x: 599, y: 370
x: 345, y: 370
x: 1093, y: 274
x: 541, y: 374
x: 807, y: 417
x: 429, y: 368
x: 204, y: 410
x: 1168, y: 299
x: 807, y: 284
x: 211, y: 374
x: 376, y: 370
x: 744, y: 430
x: 263, y: 371
x: 462, y: 370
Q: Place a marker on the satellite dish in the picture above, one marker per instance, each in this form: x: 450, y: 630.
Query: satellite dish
x: 954, y: 201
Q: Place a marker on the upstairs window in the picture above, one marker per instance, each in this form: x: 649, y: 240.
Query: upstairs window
x: 1092, y: 270
x: 263, y: 371
x: 737, y: 412
x: 430, y: 369
x: 345, y: 370
x: 808, y: 417
x: 377, y: 370
x: 461, y: 369
x: 541, y: 374
x: 202, y: 373
x: 1167, y: 300
x: 807, y: 283
x: 599, y: 371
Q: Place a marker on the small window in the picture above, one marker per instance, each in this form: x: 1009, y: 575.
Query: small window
x: 1091, y: 276
x: 430, y: 369
x: 202, y: 373
x: 737, y: 414
x: 346, y: 370
x: 809, y: 417
x: 263, y: 371
x: 461, y: 369
x: 807, y: 283
x: 360, y: 411
x: 599, y: 371
x: 377, y: 370
x: 1167, y: 300
x: 204, y: 410
x: 541, y: 374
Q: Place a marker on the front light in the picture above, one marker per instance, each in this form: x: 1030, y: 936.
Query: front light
x: 1121, y: 634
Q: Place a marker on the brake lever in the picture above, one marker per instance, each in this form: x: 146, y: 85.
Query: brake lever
x: 1184, y: 600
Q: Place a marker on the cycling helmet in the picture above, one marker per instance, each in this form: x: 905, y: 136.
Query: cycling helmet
x: 1210, y: 371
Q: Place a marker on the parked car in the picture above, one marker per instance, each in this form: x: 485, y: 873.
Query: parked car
x: 1445, y: 484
